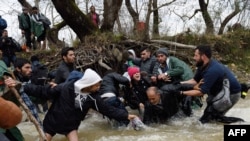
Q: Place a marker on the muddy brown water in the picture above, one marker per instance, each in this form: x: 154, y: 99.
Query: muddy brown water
x: 95, y: 128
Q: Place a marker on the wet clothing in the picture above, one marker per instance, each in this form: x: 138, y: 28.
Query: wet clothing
x: 161, y: 112
x: 213, y: 74
x: 109, y: 90
x: 138, y: 93
x: 65, y: 113
x: 63, y: 72
x: 111, y: 81
x: 178, y: 70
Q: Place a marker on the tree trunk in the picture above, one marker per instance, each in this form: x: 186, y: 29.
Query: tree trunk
x: 229, y: 17
x: 155, y: 20
x: 24, y: 3
x: 111, y: 9
x: 206, y: 17
x: 146, y: 31
x: 133, y: 13
x: 52, y: 35
x: 74, y: 18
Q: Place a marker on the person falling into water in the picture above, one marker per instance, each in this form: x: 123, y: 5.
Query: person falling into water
x: 71, y: 103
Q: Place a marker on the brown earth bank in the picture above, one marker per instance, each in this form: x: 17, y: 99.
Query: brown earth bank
x: 110, y: 51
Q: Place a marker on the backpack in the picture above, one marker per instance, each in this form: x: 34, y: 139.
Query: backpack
x: 39, y: 74
x: 3, y: 23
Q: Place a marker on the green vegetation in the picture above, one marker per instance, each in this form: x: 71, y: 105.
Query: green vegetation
x: 230, y: 48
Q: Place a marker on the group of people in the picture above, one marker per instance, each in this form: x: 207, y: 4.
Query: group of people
x: 174, y: 85
x: 33, y: 24
x: 159, y: 86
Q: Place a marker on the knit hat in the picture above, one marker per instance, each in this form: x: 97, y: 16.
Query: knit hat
x: 162, y: 51
x: 132, y: 71
x: 89, y: 78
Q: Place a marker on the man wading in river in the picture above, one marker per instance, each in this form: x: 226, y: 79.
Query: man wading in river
x: 209, y: 80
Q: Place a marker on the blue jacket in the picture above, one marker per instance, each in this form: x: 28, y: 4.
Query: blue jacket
x: 213, y: 75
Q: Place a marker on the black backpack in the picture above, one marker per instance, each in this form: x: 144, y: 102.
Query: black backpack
x: 39, y: 74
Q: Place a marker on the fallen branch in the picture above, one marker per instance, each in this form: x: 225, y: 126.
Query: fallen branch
x: 103, y: 64
x: 173, y: 44
x: 26, y: 109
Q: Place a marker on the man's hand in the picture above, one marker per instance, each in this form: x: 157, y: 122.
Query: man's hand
x: 164, y: 77
x: 52, y: 84
x: 153, y: 79
x: 131, y: 117
x: 10, y: 82
x: 197, y: 86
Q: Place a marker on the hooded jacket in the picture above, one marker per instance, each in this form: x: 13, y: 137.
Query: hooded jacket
x: 65, y: 114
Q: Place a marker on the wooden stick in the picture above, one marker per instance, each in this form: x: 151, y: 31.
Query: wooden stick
x: 26, y: 109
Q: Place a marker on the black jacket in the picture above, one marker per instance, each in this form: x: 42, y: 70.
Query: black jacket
x: 160, y: 114
x: 9, y: 46
x: 63, y: 71
x: 111, y: 81
x: 137, y: 94
x: 63, y: 115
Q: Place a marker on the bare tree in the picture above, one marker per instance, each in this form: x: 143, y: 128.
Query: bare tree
x: 133, y: 13
x: 150, y: 10
x: 74, y: 18
x: 155, y: 19
x: 206, y: 16
x: 238, y: 6
x: 236, y: 11
x: 111, y: 9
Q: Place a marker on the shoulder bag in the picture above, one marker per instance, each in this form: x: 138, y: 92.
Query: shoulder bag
x: 221, y: 102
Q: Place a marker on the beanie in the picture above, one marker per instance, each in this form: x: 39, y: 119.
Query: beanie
x: 132, y: 71
x: 162, y: 51
x: 90, y: 77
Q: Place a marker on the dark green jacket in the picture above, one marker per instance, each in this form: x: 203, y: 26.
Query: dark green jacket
x: 24, y: 21
x: 177, y: 69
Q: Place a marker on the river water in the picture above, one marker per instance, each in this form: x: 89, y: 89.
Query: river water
x: 95, y: 128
